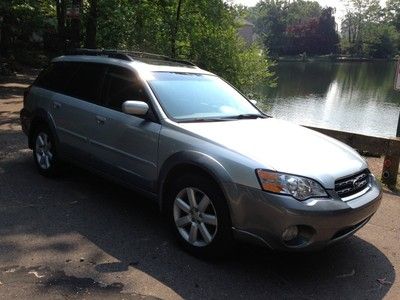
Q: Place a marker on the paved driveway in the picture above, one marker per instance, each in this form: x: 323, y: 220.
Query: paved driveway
x: 81, y: 236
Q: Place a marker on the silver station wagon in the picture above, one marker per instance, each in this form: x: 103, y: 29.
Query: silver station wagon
x: 220, y: 169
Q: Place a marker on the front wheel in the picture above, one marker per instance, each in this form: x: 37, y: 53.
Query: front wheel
x: 199, y: 216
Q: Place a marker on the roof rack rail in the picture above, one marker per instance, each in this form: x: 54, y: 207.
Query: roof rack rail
x: 146, y: 55
x: 126, y: 55
x: 99, y: 52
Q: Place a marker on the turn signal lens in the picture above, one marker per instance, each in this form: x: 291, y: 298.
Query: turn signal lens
x: 299, y: 187
x: 270, y: 181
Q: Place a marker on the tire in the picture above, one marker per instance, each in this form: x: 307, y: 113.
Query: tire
x: 45, y: 151
x: 202, y: 227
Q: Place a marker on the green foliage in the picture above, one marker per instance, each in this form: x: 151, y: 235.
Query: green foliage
x: 371, y: 30
x: 393, y: 13
x: 295, y: 27
x: 270, y: 21
x: 381, y: 40
x: 24, y: 25
x: 115, y: 24
x: 206, y: 34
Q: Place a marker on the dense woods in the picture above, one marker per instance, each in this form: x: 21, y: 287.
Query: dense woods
x: 369, y: 29
x: 295, y: 27
x: 204, y: 31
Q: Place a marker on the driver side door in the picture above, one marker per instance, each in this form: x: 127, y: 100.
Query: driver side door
x: 126, y: 146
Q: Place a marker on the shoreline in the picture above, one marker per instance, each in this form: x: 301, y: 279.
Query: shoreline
x: 328, y: 58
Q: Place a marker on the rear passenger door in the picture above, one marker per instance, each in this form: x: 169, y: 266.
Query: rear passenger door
x: 74, y: 110
x: 126, y: 145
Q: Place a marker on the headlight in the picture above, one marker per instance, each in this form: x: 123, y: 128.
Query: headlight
x: 299, y: 187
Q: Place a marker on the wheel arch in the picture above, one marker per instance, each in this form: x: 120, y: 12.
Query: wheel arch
x: 41, y: 117
x: 193, y: 161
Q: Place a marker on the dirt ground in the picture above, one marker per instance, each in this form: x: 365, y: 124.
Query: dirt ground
x: 80, y: 236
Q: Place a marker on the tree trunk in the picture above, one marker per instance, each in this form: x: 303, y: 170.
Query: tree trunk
x: 349, y: 28
x: 175, y: 29
x: 5, y: 42
x: 61, y: 8
x: 91, y: 25
x: 76, y: 26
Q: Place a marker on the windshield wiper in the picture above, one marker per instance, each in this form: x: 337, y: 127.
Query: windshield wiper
x: 225, y: 118
x: 249, y: 116
x: 194, y: 120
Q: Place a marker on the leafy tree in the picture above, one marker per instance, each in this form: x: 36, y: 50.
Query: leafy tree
x: 270, y: 21
x: 199, y: 30
x: 295, y: 27
x: 204, y: 31
x: 370, y: 30
x: 299, y: 11
x: 380, y: 40
x: 393, y: 13
x: 21, y: 19
x: 328, y: 41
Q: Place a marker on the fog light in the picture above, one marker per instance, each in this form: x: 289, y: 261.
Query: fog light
x: 290, y: 233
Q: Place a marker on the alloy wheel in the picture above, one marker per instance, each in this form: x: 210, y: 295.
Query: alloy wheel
x: 43, y: 150
x: 195, y: 217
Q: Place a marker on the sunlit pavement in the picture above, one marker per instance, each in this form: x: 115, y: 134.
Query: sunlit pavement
x: 81, y: 236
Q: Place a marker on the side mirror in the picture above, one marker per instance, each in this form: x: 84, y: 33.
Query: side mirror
x: 254, y: 102
x: 136, y: 108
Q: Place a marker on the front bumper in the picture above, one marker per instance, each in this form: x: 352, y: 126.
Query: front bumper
x: 262, y: 217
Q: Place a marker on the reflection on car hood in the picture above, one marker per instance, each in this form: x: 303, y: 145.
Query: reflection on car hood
x: 283, y: 146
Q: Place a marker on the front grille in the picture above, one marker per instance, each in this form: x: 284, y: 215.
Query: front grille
x: 353, y: 184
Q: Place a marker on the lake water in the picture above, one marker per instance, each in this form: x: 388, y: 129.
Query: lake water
x: 350, y: 96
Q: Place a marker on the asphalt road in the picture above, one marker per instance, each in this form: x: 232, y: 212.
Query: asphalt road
x: 79, y: 236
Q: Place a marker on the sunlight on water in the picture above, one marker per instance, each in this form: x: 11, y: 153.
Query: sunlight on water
x: 356, y: 97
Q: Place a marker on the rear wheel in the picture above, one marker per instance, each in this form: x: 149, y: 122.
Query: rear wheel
x: 199, y: 216
x: 45, y: 152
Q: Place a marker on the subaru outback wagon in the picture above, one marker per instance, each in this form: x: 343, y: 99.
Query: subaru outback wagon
x: 220, y: 169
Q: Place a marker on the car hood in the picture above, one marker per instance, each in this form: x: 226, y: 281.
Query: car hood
x: 283, y: 146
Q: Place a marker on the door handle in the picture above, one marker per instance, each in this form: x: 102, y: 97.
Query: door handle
x: 100, y: 120
x: 56, y: 105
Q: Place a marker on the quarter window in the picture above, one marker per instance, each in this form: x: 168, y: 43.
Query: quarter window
x: 57, y: 76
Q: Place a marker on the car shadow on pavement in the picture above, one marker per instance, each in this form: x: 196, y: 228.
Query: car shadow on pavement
x: 36, y: 213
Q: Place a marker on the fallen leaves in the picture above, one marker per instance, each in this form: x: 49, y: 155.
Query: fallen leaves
x: 383, y: 281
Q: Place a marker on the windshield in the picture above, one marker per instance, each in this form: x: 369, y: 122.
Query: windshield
x: 186, y: 97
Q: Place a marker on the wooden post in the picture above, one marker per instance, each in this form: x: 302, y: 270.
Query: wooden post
x: 398, y: 127
x: 390, y: 170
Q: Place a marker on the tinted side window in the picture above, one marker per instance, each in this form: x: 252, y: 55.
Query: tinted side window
x: 86, y: 84
x: 57, y: 76
x: 122, y: 85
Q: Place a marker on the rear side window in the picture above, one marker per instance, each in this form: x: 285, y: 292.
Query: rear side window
x: 122, y: 85
x: 57, y: 76
x: 87, y: 82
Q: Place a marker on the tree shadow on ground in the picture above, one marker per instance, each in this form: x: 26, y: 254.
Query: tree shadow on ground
x: 11, y: 92
x: 26, y: 76
x: 9, y: 118
x: 128, y: 227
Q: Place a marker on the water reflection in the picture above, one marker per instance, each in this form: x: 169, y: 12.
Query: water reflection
x: 357, y: 97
